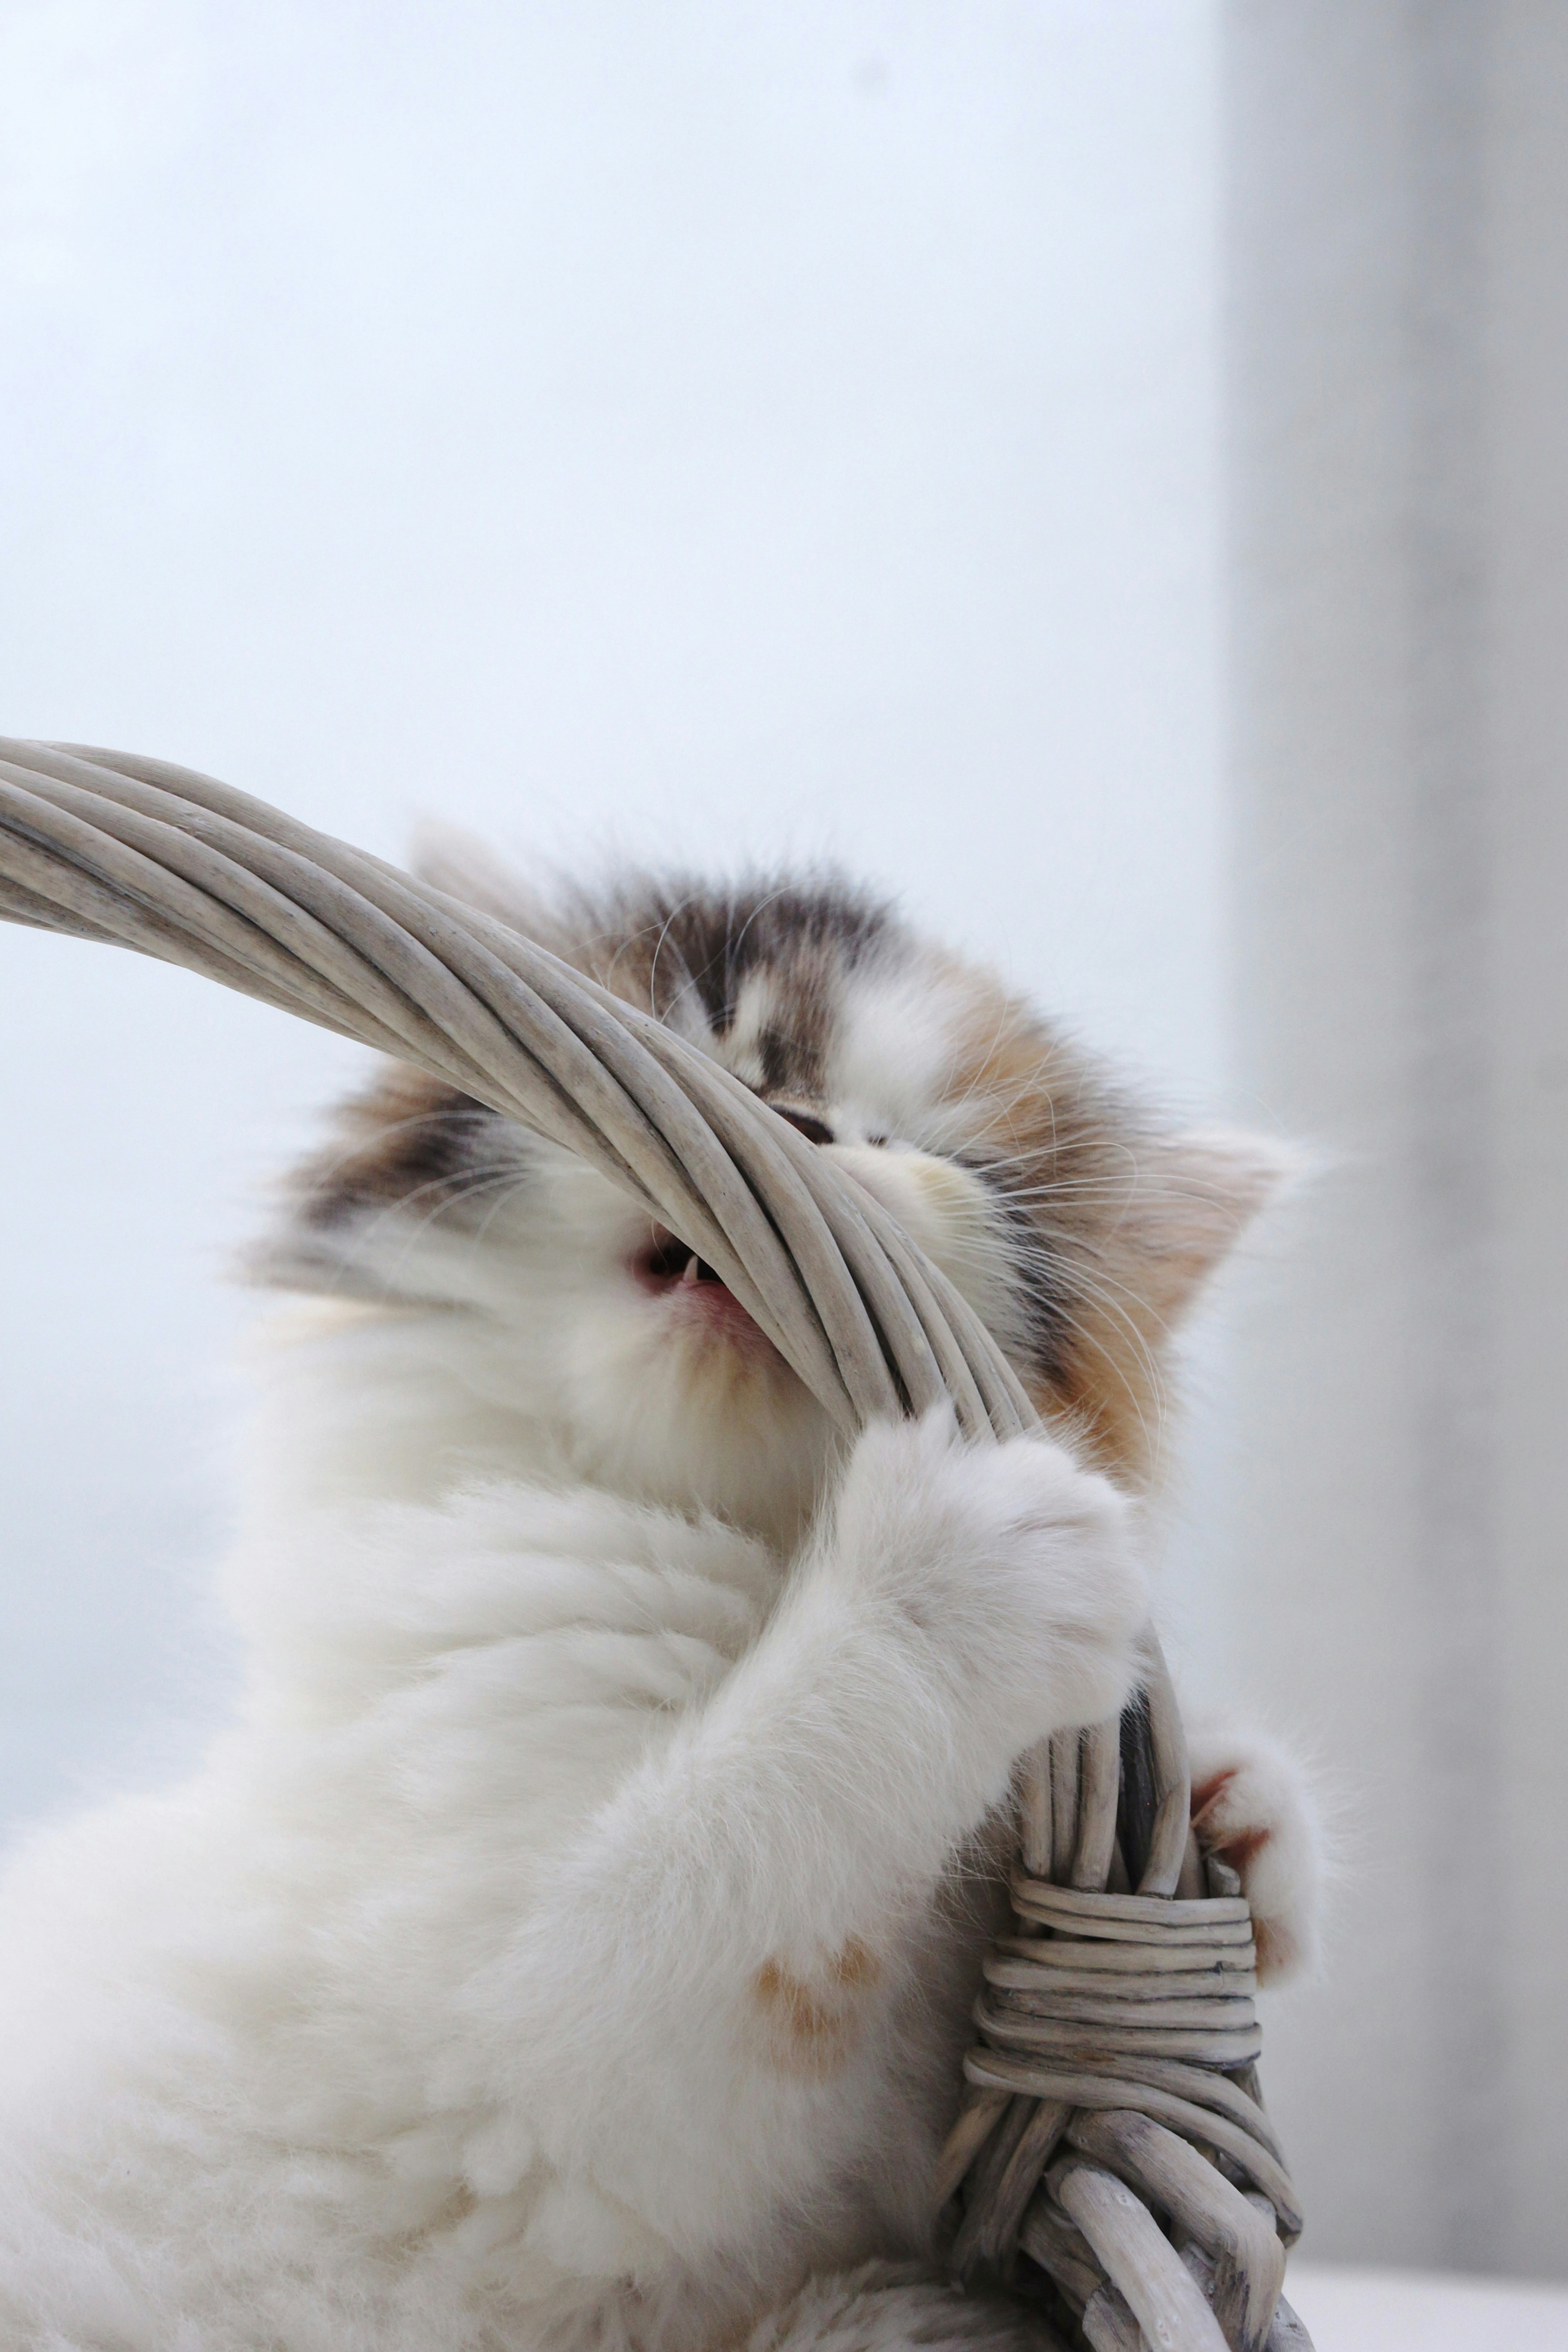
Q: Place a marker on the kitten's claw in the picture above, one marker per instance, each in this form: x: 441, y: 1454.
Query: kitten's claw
x: 1253, y: 1806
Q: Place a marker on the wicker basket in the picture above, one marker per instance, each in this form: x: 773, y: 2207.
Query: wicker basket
x: 1111, y: 2157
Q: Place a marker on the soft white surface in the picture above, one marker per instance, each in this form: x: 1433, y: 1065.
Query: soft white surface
x: 1405, y: 2311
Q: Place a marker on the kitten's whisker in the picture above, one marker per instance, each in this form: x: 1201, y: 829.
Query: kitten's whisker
x: 365, y: 1238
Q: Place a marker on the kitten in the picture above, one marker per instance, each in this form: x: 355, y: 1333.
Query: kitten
x: 571, y: 1943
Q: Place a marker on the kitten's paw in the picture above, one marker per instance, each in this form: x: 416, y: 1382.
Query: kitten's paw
x: 1018, y: 1567
x: 1253, y: 1806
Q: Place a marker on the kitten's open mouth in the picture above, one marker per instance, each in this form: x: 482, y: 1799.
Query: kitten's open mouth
x: 671, y: 1269
x: 668, y: 1265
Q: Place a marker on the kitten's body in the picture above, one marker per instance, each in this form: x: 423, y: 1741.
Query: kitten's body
x: 573, y: 1942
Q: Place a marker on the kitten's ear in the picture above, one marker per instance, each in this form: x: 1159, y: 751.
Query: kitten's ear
x: 1207, y: 1189
x: 1170, y: 1223
x: 463, y: 866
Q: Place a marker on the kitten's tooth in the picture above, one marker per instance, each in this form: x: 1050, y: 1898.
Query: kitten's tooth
x: 690, y: 1273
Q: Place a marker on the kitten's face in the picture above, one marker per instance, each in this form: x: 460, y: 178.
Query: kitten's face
x: 1076, y: 1229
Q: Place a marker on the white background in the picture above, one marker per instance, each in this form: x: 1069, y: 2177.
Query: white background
x: 709, y: 430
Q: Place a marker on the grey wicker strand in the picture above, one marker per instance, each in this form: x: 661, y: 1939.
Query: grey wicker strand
x: 1111, y: 2079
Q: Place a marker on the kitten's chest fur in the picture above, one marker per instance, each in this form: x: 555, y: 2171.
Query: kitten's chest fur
x: 463, y: 1652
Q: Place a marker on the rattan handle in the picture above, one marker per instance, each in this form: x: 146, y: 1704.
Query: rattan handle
x: 155, y: 857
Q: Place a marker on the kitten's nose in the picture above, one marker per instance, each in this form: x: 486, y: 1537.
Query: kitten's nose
x: 815, y: 1130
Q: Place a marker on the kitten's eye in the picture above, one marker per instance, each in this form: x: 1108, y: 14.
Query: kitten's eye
x: 815, y: 1130
x: 879, y: 1141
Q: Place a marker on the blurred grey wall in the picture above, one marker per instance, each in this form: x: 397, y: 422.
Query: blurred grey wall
x: 1398, y: 356
x: 714, y: 429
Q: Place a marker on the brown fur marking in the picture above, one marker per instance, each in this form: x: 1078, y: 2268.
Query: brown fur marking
x: 1204, y: 1795
x: 1073, y: 1162
x: 811, y: 2026
x: 1242, y: 1849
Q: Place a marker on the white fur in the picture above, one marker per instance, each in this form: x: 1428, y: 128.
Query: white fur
x: 571, y: 1943
x: 1254, y: 1805
x: 429, y: 2016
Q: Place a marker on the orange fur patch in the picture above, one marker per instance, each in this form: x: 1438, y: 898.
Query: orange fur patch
x: 811, y: 2025
x: 1242, y: 1849
x: 1205, y: 1794
x: 1080, y: 1162
x: 1239, y: 1849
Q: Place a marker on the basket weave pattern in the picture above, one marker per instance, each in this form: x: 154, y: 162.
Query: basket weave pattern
x: 1111, y: 2082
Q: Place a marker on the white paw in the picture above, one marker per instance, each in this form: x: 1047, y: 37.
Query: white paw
x: 1018, y: 1567
x: 1253, y: 1806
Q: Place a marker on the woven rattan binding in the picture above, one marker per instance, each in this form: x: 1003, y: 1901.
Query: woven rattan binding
x: 1112, y: 2080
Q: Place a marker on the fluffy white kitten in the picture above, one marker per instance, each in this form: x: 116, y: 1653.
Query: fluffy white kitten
x: 571, y: 1943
